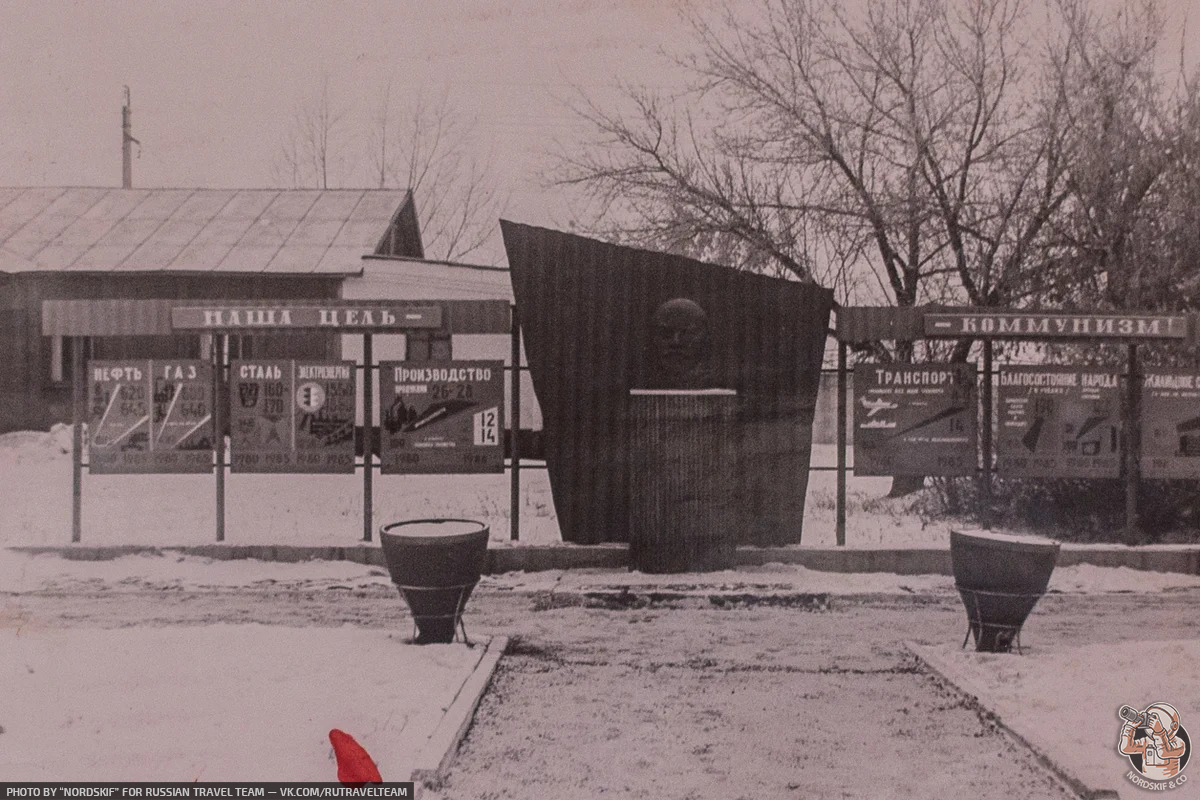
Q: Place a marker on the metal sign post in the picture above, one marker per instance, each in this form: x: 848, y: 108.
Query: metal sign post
x: 986, y: 439
x: 220, y: 343
x: 1133, y: 394
x: 368, y: 437
x: 77, y: 414
x: 515, y: 435
x: 841, y: 446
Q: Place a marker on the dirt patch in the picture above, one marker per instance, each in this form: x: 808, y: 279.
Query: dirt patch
x: 560, y: 723
x: 628, y: 599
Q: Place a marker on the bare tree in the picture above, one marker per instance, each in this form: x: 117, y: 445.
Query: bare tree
x: 1133, y: 167
x: 313, y: 151
x: 918, y: 144
x: 916, y: 151
x: 430, y: 151
x: 424, y: 145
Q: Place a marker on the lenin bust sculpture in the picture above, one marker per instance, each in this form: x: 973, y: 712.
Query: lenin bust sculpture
x: 681, y: 346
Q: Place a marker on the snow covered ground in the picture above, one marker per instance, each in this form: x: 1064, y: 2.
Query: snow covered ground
x: 35, y: 470
x: 21, y: 572
x: 1064, y: 701
x: 226, y: 701
x: 219, y: 702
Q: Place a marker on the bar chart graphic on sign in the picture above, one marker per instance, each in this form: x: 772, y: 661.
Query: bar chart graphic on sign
x: 291, y: 415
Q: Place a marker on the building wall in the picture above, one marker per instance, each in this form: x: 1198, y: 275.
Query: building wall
x: 405, y: 279
x: 30, y: 400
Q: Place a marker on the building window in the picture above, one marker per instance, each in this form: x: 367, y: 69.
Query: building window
x: 238, y: 346
x: 424, y: 346
x: 62, y: 357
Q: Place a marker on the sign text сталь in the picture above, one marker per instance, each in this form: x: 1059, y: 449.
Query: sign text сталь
x: 291, y: 416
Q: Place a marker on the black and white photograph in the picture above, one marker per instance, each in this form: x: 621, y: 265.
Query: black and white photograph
x: 567, y: 400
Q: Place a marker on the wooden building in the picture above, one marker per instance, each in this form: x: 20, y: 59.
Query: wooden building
x: 115, y: 245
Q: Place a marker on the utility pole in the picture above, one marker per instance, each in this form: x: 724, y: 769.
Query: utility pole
x: 127, y: 140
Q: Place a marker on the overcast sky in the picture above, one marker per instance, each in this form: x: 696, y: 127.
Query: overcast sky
x: 214, y: 84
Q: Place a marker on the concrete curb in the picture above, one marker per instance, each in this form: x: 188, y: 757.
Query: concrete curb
x: 533, y: 558
x: 963, y: 684
x: 1183, y: 559
x: 435, y: 758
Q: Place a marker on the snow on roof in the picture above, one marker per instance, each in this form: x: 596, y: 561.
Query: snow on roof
x: 397, y: 277
x: 76, y: 229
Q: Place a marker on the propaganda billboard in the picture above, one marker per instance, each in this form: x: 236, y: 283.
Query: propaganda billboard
x: 1059, y: 422
x: 986, y: 324
x: 1170, y: 447
x: 150, y: 416
x: 442, y: 416
x: 915, y: 419
x: 330, y: 316
x: 287, y: 415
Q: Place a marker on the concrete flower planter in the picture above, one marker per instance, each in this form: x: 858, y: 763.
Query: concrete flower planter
x: 1000, y: 578
x: 435, y: 564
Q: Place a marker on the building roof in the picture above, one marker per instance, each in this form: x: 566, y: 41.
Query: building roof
x: 428, y: 279
x: 274, y: 231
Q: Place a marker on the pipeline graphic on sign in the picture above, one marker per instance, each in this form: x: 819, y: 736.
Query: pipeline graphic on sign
x: 406, y: 419
x: 442, y: 417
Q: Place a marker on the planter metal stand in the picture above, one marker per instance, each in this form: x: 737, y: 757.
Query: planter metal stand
x: 437, y: 620
x: 1000, y: 578
x: 435, y: 564
x: 993, y: 637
